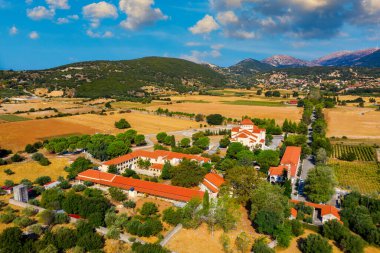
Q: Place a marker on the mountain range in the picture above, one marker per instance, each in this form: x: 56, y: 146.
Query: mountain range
x: 360, y: 58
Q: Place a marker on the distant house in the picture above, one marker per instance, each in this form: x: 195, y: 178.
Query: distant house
x: 249, y: 135
x: 156, y: 158
x: 288, y: 167
x: 52, y: 184
x: 7, y: 189
x: 321, y: 211
x: 135, y: 186
x: 212, y: 183
x: 20, y: 193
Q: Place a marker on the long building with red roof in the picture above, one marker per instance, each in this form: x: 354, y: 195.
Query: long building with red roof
x: 175, y: 193
x: 156, y: 158
x: 290, y: 162
x: 249, y: 135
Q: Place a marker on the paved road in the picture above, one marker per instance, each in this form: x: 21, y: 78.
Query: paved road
x: 277, y: 139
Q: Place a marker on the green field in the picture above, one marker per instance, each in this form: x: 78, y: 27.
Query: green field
x: 254, y: 103
x: 363, y: 153
x: 12, y: 118
x: 361, y: 176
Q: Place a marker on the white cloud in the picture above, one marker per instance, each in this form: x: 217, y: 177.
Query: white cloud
x: 58, y: 4
x: 225, y: 4
x: 240, y: 34
x: 61, y: 21
x: 40, y: 12
x: 106, y: 34
x: 193, y: 44
x: 227, y: 17
x: 201, y: 56
x: 206, y: 25
x: 371, y: 6
x: 13, y: 30
x: 99, y: 10
x: 34, y: 35
x: 140, y: 13
x: 73, y: 17
x: 310, y: 5
x: 28, y: 1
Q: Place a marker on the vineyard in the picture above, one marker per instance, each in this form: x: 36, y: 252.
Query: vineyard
x: 360, y: 176
x: 363, y: 153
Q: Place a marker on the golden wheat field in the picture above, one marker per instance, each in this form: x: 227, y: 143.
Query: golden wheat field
x: 202, y: 238
x: 353, y: 122
x: 141, y: 122
x: 32, y: 170
x: 237, y: 111
x: 15, y: 135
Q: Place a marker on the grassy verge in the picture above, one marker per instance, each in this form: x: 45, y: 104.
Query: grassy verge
x: 12, y: 118
x: 361, y: 176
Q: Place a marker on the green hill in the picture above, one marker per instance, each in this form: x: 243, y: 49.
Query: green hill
x: 122, y: 78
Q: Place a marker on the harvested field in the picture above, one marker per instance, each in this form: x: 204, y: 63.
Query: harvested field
x: 128, y: 105
x: 237, y: 111
x: 141, y: 122
x: 353, y: 122
x: 16, y: 135
x: 188, y: 240
x: 11, y: 118
x: 254, y: 103
x: 361, y: 176
x: 32, y: 170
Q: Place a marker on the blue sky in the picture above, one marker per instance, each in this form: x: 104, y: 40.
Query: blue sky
x: 36, y: 34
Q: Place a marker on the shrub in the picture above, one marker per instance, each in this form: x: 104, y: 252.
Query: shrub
x: 2, y: 161
x: 7, y: 217
x: 172, y: 216
x: 36, y: 229
x: 88, y: 183
x: 113, y: 233
x: 9, y: 183
x: 9, y: 172
x: 350, y: 156
x: 137, y: 247
x: 65, y: 185
x: 42, y: 180
x: 122, y: 124
x: 61, y: 218
x: 29, y: 211
x: 30, y: 149
x: 214, y: 119
x: 44, y: 162
x: 23, y: 221
x: 314, y: 243
x: 117, y: 194
x: 79, y: 187
x: 17, y: 158
x: 37, y: 156
x: 129, y: 204
x: 128, y: 173
x: 149, y: 209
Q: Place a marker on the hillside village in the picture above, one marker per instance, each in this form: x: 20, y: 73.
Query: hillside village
x: 147, y: 190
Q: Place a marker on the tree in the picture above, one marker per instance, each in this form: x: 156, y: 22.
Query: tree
x: 161, y: 137
x: 259, y: 92
x: 140, y: 140
x: 122, y: 124
x: 202, y: 143
x: 224, y: 142
x: 233, y: 149
x: 243, y: 181
x: 112, y: 169
x: 137, y: 247
x: 199, y: 117
x: 42, y: 180
x: 172, y: 216
x: 185, y: 143
x: 188, y: 174
x: 91, y: 241
x: 246, y: 158
x: 30, y: 149
x: 297, y: 227
x: 117, y: 194
x: 319, y: 185
x: 226, y: 243
x: 166, y: 171
x: 65, y: 238
x: 321, y: 156
x: 149, y: 209
x: 242, y: 242
x: 17, y: 158
x: 8, y: 183
x: 206, y: 203
x: 214, y: 119
x: 260, y: 246
x: 314, y: 243
x: 46, y: 217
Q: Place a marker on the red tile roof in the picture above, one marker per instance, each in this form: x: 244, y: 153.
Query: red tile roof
x: 157, y: 166
x: 277, y: 171
x: 293, y: 212
x: 167, y: 155
x: 325, y: 209
x: 210, y: 186
x: 246, y: 122
x: 156, y: 189
x: 291, y: 157
x: 215, y: 179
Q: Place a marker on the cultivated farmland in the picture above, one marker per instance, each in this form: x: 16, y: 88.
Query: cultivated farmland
x: 32, y: 170
x: 353, y: 122
x: 11, y: 118
x: 363, y: 153
x: 361, y: 176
